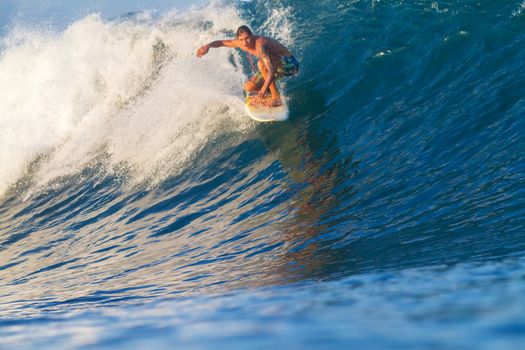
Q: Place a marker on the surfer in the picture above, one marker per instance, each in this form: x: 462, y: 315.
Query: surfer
x: 275, y: 62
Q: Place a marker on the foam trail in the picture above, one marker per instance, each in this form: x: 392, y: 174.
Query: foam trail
x: 132, y: 89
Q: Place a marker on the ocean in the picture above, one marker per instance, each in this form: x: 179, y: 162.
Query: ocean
x: 141, y: 208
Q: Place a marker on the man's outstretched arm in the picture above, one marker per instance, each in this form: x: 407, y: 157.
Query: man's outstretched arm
x: 217, y: 43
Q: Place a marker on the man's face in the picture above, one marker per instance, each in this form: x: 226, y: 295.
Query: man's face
x: 245, y: 39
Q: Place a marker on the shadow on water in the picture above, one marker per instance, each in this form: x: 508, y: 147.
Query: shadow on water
x: 320, y: 176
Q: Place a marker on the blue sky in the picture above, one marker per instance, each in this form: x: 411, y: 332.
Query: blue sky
x: 62, y: 12
x: 6, y: 9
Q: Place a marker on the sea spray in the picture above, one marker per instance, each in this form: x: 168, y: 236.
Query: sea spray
x: 131, y: 88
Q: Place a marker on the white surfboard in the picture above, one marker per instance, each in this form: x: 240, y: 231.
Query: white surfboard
x: 264, y: 113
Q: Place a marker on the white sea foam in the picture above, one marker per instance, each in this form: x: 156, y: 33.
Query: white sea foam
x: 518, y: 12
x: 133, y: 89
x: 278, y: 24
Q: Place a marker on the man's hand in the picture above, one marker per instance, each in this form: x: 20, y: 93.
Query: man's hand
x: 259, y: 99
x: 203, y: 51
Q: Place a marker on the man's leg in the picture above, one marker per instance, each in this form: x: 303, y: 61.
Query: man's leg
x: 252, y: 85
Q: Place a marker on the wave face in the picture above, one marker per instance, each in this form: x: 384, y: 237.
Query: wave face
x: 139, y: 205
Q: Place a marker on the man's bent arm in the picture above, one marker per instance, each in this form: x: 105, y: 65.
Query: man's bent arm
x: 265, y: 57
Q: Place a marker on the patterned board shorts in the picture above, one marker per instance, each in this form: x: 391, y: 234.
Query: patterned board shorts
x: 289, y: 66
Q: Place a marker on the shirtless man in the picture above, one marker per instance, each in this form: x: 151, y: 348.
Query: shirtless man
x: 275, y: 62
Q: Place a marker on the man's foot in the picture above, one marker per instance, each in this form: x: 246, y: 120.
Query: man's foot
x: 261, y: 101
x: 266, y: 101
x: 257, y: 101
x: 274, y: 102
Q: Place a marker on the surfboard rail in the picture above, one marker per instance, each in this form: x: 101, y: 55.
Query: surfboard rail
x: 264, y: 113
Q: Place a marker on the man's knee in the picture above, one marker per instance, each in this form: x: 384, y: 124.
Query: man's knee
x: 250, y: 86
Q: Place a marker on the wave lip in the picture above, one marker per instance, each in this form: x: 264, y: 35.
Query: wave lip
x: 132, y: 89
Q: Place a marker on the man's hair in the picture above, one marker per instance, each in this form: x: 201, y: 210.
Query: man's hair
x: 243, y: 29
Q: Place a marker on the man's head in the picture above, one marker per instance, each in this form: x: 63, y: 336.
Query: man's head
x: 244, y: 34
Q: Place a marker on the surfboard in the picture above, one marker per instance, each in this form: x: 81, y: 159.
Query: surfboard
x: 262, y: 113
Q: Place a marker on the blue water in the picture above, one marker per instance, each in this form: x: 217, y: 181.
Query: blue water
x: 142, y: 208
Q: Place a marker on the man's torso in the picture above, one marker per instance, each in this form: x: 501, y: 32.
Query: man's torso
x: 275, y: 49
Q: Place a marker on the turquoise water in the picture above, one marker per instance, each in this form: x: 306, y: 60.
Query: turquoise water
x: 140, y: 207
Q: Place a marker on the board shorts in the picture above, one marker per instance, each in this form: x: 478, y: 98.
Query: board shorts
x: 289, y: 66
